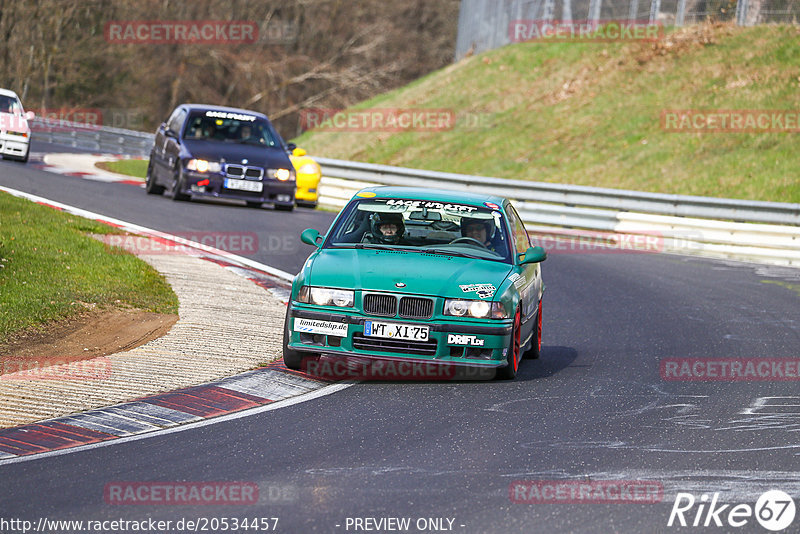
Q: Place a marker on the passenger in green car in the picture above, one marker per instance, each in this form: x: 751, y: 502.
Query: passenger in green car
x: 387, y: 228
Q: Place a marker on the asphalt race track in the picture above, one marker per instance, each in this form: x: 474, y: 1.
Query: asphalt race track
x: 594, y: 408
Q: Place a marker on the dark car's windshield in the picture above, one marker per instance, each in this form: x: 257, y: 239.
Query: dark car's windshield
x: 423, y: 226
x: 228, y: 127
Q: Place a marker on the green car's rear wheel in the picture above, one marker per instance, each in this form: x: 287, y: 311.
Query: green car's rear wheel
x: 510, y: 371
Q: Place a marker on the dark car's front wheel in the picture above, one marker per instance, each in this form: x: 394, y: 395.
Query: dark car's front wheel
x: 150, y: 181
x: 177, y: 185
x: 284, y: 207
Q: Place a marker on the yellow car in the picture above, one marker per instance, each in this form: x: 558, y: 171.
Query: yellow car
x: 309, y: 174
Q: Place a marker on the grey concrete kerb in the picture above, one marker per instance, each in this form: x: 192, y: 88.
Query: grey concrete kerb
x: 228, y: 324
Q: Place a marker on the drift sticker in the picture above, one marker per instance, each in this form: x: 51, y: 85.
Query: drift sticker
x: 312, y: 326
x: 518, y: 280
x: 430, y: 205
x: 458, y: 339
x: 230, y: 115
x: 484, y: 291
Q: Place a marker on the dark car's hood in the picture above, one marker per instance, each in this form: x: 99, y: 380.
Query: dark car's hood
x: 424, y: 274
x: 258, y: 156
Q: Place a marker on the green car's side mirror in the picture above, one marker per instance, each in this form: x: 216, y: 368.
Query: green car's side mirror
x: 534, y: 255
x: 310, y: 237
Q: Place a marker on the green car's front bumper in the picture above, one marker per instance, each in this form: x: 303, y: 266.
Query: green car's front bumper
x: 474, y: 343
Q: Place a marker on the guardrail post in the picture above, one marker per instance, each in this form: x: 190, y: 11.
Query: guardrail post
x: 679, y: 16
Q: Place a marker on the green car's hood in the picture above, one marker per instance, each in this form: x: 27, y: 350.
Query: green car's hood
x: 423, y: 274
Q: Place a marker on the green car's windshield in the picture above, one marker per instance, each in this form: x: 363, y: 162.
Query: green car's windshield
x: 423, y: 226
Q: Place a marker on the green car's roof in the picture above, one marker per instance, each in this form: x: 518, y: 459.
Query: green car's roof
x: 435, y: 195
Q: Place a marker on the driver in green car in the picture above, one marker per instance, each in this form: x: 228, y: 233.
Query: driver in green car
x: 479, y: 229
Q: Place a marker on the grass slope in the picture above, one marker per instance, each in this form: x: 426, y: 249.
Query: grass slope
x: 50, y: 269
x: 589, y: 114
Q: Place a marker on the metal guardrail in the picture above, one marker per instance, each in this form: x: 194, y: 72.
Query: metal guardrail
x: 88, y: 137
x: 570, y: 195
x: 712, y: 226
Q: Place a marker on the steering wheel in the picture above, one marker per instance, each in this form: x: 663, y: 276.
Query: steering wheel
x: 467, y: 240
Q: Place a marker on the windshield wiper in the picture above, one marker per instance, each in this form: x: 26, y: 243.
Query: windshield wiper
x: 452, y: 253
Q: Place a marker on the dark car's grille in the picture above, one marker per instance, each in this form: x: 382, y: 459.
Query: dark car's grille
x: 385, y: 305
x: 254, y: 173
x: 416, y: 308
x: 242, y: 171
x: 419, y: 348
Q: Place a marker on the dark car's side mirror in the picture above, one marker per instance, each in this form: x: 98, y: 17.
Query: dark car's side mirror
x: 533, y: 255
x: 291, y: 146
x: 311, y: 237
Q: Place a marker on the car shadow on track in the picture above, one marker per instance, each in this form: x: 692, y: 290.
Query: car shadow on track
x: 552, y: 360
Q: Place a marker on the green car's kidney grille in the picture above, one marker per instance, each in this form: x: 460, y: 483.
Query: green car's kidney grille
x: 384, y: 305
x: 416, y: 308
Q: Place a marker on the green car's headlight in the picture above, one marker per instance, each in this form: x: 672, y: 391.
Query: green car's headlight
x: 326, y: 296
x: 479, y: 309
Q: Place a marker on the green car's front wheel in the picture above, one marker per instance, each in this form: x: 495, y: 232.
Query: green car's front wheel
x: 293, y: 359
x: 536, y: 339
x: 510, y: 371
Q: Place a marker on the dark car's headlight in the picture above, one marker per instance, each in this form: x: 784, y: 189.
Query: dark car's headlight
x: 326, y: 296
x: 281, y: 174
x: 479, y: 309
x: 201, y: 165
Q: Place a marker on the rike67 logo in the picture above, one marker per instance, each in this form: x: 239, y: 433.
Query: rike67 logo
x: 774, y: 510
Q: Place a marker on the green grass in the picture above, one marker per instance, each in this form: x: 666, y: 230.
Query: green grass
x: 50, y: 268
x: 589, y: 114
x: 131, y: 167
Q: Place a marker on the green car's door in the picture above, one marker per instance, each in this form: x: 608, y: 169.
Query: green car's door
x: 528, y: 277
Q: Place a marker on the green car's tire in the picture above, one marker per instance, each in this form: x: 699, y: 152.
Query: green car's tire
x: 294, y: 359
x: 510, y: 371
x: 536, y: 340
